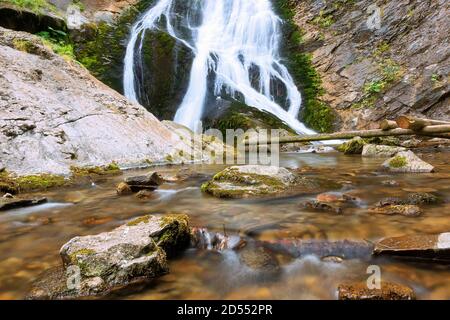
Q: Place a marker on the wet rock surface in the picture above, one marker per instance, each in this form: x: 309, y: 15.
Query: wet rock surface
x: 247, y: 181
x: 407, y: 162
x: 131, y: 254
x: 428, y: 247
x: 388, y: 291
x: 404, y: 210
x: 353, y: 146
x: 8, y: 203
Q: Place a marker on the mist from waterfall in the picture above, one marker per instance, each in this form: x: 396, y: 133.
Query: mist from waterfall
x: 231, y: 39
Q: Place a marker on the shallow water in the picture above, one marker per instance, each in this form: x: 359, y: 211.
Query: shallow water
x: 30, y: 238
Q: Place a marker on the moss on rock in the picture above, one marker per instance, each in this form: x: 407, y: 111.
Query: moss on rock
x: 353, y: 146
x: 398, y: 162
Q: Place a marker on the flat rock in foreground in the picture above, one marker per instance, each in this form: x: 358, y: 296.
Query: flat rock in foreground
x: 435, y: 247
x: 128, y: 255
x: 388, y: 291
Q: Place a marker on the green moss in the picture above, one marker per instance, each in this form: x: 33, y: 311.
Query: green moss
x: 82, y: 252
x: 37, y: 6
x: 398, y: 162
x: 23, y: 45
x: 315, y: 113
x: 135, y: 222
x: 353, y: 146
x: 40, y: 182
x: 175, y: 235
x: 109, y: 169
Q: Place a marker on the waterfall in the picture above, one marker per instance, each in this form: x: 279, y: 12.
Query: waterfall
x: 231, y: 39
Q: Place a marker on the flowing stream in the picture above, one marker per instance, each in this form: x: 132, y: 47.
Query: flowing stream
x: 30, y: 238
x: 231, y: 40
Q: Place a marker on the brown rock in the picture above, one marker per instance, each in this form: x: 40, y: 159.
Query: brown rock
x: 123, y: 189
x: 436, y: 247
x: 404, y: 210
x: 322, y: 206
x: 145, y: 194
x: 388, y: 291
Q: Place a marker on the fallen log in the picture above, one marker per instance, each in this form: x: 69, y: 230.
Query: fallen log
x: 415, y: 124
x: 426, y: 131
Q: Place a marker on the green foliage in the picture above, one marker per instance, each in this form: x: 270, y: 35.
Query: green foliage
x: 34, y: 5
x: 389, y: 72
x: 80, y: 5
x: 58, y: 41
x: 316, y: 114
x: 323, y: 20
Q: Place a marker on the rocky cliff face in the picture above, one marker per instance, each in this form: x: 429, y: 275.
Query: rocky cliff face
x: 54, y: 114
x: 378, y: 59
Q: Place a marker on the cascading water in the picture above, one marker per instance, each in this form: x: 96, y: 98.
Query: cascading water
x: 232, y: 40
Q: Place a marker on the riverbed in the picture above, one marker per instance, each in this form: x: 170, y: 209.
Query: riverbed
x: 30, y: 238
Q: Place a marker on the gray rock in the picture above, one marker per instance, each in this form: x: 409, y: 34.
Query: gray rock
x: 127, y: 255
x: 54, y: 115
x: 373, y: 150
x: 407, y: 161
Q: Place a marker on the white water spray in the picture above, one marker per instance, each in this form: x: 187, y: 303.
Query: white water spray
x: 234, y: 39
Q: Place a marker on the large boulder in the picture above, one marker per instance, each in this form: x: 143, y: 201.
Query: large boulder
x: 54, y: 115
x: 434, y: 247
x: 252, y: 180
x: 132, y: 253
x: 373, y: 150
x: 407, y: 162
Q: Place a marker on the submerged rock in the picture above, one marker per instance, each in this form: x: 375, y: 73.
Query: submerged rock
x: 388, y: 291
x: 259, y: 259
x: 353, y: 146
x: 373, y: 150
x: 150, y: 181
x: 322, y: 206
x: 246, y: 181
x: 402, y: 209
x: 123, y: 189
x: 130, y: 254
x: 8, y: 203
x: 405, y: 162
x: 434, y: 247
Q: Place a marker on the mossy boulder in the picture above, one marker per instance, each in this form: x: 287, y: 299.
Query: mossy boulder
x: 237, y: 115
x: 130, y: 254
x: 353, y: 146
x: 248, y: 181
x: 407, y: 162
